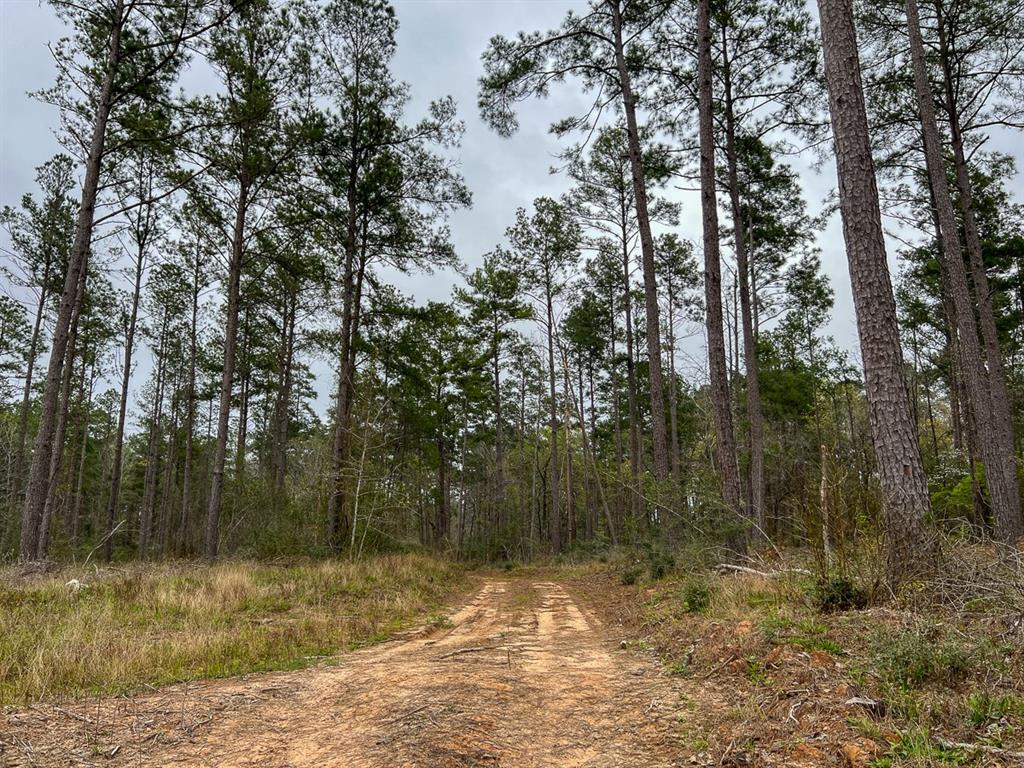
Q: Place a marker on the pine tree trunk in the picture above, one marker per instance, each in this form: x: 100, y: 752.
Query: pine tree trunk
x: 35, y: 497
x: 76, y: 507
x: 555, y: 519
x: 26, y: 396
x: 153, y: 449
x: 997, y: 436
x: 632, y: 396
x: 1000, y: 465
x: 228, y: 374
x: 57, y: 458
x: 499, y: 431
x: 658, y: 437
x: 117, y: 462
x: 905, y: 500
x: 190, y: 416
x: 755, y: 415
x: 728, y: 465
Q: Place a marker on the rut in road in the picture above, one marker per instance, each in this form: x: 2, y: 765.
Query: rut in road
x: 522, y: 678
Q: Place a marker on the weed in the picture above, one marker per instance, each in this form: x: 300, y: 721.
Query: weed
x: 630, y: 576
x: 756, y: 672
x: 916, y: 745
x: 911, y: 660
x: 660, y: 564
x: 696, y: 596
x: 984, y: 707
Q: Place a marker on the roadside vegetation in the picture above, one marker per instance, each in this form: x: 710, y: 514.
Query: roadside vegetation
x: 817, y: 670
x: 86, y: 631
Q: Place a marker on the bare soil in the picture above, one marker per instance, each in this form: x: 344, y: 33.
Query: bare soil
x: 521, y: 675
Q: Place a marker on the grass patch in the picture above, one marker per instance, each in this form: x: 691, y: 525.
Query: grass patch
x: 984, y: 708
x: 912, y: 660
x: 156, y: 624
x: 916, y: 747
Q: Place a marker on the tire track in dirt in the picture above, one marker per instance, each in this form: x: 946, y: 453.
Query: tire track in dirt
x: 523, y: 678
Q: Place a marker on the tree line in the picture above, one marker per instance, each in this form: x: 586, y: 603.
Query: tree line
x: 211, y: 252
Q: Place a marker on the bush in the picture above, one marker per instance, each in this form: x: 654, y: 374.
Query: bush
x: 696, y: 596
x: 839, y: 594
x: 660, y: 564
x: 911, y: 660
x: 630, y: 576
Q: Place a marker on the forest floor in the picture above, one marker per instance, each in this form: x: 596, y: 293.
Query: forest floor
x: 589, y: 666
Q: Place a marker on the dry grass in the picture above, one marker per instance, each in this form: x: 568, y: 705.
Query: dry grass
x: 944, y: 663
x: 155, y: 624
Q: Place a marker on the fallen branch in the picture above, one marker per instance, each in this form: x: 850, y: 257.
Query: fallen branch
x: 763, y: 574
x: 979, y: 748
x: 75, y: 715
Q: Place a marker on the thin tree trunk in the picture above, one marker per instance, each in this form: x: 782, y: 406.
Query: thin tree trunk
x: 905, y: 500
x: 755, y: 415
x: 499, y: 431
x: 190, y: 414
x: 555, y: 520
x: 997, y: 438
x: 153, y: 448
x: 632, y: 395
x: 728, y: 465
x: 228, y: 374
x: 26, y: 396
x: 76, y: 507
x: 117, y: 462
x: 35, y: 497
x: 658, y: 437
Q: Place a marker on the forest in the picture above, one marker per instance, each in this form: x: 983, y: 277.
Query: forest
x: 211, y: 354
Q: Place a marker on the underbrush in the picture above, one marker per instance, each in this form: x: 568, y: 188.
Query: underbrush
x: 108, y: 631
x: 817, y: 668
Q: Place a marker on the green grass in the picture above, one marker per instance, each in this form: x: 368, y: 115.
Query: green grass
x: 984, y: 707
x: 156, y: 624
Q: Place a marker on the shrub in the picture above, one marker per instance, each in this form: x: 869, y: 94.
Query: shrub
x: 696, y: 596
x: 630, y: 576
x: 911, y: 660
x: 660, y: 564
x: 839, y: 593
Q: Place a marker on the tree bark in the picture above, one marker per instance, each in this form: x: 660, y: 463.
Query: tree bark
x: 228, y: 374
x: 728, y: 465
x: 996, y: 428
x: 153, y: 448
x: 658, y: 430
x: 555, y: 520
x: 905, y: 500
x: 117, y: 462
x: 190, y: 413
x: 35, y: 497
x: 755, y: 414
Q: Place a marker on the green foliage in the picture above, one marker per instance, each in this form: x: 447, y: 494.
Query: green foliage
x: 660, y: 563
x: 984, y: 707
x: 913, y: 659
x: 839, y: 593
x: 916, y: 745
x: 696, y: 594
x: 630, y: 576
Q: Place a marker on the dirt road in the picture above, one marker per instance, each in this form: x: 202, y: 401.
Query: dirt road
x: 521, y: 677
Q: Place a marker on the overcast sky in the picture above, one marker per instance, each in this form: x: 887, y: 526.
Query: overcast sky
x: 439, y: 47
